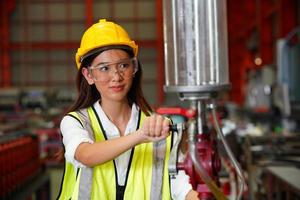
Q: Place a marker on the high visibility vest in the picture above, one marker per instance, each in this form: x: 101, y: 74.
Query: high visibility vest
x: 147, y: 174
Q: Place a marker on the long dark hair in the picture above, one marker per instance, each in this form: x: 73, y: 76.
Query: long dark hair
x: 88, y: 94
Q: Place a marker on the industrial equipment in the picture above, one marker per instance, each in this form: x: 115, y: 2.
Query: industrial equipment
x: 196, y: 68
x: 10, y: 100
x: 34, y: 99
x: 287, y: 95
x: 19, y: 162
x: 273, y: 156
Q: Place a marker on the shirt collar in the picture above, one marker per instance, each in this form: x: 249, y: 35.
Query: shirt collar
x: 111, y: 129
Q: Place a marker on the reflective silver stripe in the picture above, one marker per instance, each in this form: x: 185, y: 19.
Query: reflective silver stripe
x: 159, y: 152
x: 85, y: 185
x: 86, y: 122
x: 86, y: 177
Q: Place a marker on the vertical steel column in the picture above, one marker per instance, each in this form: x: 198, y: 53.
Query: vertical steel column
x: 238, y: 53
x: 160, y: 52
x: 269, y: 13
x: 24, y: 47
x: 287, y: 16
x: 136, y: 19
x: 4, y: 45
x: 69, y: 37
x: 47, y: 38
x: 112, y: 9
x: 89, y: 12
x: 266, y: 31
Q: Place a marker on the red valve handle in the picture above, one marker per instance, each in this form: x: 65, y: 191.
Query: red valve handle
x: 189, y: 113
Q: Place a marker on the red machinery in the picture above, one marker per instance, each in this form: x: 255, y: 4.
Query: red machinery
x: 206, y: 148
x: 196, y: 68
x: 19, y: 161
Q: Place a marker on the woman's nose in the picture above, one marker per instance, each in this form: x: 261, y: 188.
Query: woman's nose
x: 116, y: 75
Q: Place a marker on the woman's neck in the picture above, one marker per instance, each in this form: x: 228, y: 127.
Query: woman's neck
x: 117, y: 112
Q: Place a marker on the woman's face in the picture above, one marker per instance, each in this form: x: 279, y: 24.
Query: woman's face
x: 112, y: 73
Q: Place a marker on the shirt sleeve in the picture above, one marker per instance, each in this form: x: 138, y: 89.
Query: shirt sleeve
x: 73, y: 135
x: 180, y: 185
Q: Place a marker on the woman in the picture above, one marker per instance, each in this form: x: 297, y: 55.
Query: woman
x: 114, y: 148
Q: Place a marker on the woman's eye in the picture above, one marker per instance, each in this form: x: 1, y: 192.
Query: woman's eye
x: 104, y: 68
x: 124, y: 65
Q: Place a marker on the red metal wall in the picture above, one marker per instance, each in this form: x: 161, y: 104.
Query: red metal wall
x: 254, y: 26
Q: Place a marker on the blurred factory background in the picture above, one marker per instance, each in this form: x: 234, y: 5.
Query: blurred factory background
x: 260, y: 113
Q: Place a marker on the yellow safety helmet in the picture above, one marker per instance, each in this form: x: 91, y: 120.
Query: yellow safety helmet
x: 101, y: 34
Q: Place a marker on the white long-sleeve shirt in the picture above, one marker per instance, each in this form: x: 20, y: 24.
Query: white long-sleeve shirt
x: 74, y: 134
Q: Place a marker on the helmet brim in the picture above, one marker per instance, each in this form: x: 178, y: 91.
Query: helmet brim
x: 99, y: 50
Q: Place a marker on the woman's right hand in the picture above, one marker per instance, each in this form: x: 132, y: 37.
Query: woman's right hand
x: 154, y: 128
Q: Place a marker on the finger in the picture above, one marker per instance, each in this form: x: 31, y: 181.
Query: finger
x: 152, y: 122
x: 165, y: 125
x: 161, y: 137
x: 145, y: 127
x: 158, y: 125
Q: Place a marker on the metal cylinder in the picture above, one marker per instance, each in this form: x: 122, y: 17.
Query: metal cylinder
x: 195, y: 43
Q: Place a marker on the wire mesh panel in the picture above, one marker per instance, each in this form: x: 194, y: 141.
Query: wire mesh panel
x: 45, y: 35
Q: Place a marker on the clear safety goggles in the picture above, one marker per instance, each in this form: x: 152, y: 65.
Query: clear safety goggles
x: 106, y: 71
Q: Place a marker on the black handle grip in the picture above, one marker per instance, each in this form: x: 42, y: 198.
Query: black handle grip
x: 173, y: 127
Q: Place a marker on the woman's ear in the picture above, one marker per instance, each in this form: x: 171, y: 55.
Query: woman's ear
x: 87, y: 75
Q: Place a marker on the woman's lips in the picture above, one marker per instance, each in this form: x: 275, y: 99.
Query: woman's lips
x: 118, y: 88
